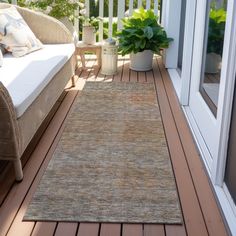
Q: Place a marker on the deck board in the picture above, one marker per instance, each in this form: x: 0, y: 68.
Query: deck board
x: 133, y: 76
x: 191, y: 209
x: 44, y: 228
x: 142, y: 77
x: 153, y: 230
x: 176, y: 230
x: 120, y: 66
x: 132, y: 229
x: 200, y: 211
x: 126, y: 70
x: 88, y: 229
x: 110, y: 229
x: 66, y: 229
x: 207, y: 201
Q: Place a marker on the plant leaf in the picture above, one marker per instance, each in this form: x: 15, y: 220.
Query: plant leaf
x: 148, y: 32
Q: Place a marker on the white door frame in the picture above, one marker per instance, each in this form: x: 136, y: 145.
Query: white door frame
x: 223, y: 120
x: 171, y: 21
x: 221, y: 189
x: 206, y: 121
x: 188, y: 51
x: 226, y: 93
x: 227, y: 101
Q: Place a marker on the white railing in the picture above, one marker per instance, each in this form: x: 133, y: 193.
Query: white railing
x: 121, y: 9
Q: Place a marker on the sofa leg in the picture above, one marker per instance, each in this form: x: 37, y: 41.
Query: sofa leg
x: 18, y: 170
x: 73, y: 80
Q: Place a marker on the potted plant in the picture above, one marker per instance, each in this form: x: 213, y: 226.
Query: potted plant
x: 90, y: 27
x: 215, y: 40
x: 140, y: 37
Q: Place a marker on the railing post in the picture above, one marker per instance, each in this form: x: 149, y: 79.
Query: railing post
x: 87, y: 8
x: 101, y: 14
x: 131, y: 7
x: 120, y: 13
x: 76, y: 21
x: 110, y: 18
x: 140, y: 3
x: 156, y: 8
x: 148, y: 4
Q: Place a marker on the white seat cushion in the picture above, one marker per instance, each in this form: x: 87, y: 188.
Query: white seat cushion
x: 27, y: 76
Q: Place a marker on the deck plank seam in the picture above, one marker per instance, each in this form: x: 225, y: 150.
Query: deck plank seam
x: 33, y: 229
x: 77, y: 229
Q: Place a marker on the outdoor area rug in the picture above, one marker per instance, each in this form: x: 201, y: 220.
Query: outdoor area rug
x: 111, y: 163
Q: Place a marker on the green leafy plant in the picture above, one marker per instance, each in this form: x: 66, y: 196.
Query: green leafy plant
x: 216, y: 31
x: 142, y: 32
x: 89, y: 21
x: 54, y: 8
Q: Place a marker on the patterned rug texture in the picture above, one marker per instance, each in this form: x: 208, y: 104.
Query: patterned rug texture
x: 112, y: 162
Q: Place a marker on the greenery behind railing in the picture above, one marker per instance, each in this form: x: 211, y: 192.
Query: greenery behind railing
x: 94, y: 6
x: 94, y: 11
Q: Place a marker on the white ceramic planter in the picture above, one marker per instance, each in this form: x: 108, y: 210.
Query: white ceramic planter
x: 213, y: 63
x: 141, y: 61
x: 89, y: 35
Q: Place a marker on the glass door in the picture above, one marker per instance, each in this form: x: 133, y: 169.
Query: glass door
x: 206, y: 75
x: 210, y: 95
x: 230, y: 171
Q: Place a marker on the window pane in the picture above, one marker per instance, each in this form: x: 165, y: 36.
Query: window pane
x: 181, y: 35
x: 214, y: 40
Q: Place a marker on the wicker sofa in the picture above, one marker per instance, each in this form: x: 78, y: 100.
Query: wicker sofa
x: 19, y: 121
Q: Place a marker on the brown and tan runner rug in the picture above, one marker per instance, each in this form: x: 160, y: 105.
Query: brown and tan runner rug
x: 112, y: 162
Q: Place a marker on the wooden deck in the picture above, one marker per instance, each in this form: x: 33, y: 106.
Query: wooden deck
x: 201, y: 214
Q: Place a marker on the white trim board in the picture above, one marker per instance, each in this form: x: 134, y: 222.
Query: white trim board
x: 227, y: 209
x: 202, y: 147
x: 176, y: 80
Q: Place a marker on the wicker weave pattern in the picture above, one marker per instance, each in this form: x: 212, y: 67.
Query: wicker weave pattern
x: 9, y: 130
x: 14, y: 137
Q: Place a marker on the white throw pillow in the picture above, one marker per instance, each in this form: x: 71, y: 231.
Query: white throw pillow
x: 1, y: 58
x: 15, y: 34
